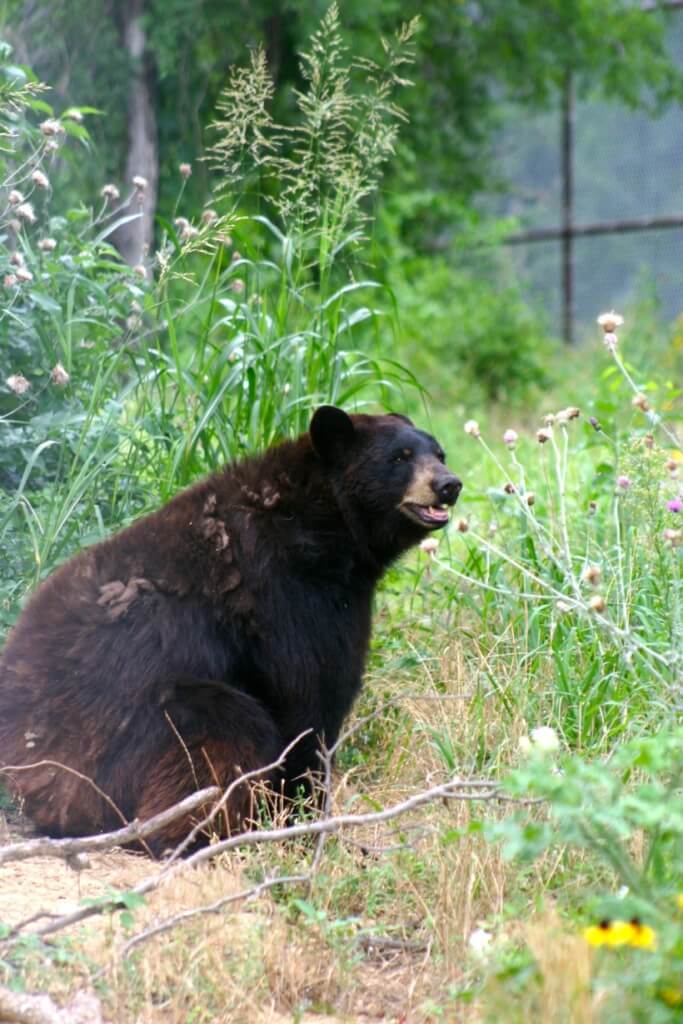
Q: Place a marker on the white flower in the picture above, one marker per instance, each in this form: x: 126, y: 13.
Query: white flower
x: 22, y: 274
x: 51, y: 127
x: 429, y: 545
x: 18, y: 384
x: 545, y: 738
x: 47, y: 244
x: 610, y: 321
x: 209, y: 217
x: 73, y: 114
x: 563, y: 606
x: 15, y: 197
x: 140, y: 182
x: 510, y: 438
x: 472, y: 428
x: 59, y: 376
x: 611, y: 341
x: 40, y: 179
x: 185, y: 170
x: 479, y: 941
x: 525, y: 745
x: 110, y: 192
x: 25, y: 212
x: 140, y: 270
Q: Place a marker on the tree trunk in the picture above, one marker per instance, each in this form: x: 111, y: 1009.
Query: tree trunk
x: 135, y: 239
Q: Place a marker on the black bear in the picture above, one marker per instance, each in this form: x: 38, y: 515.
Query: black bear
x: 197, y: 643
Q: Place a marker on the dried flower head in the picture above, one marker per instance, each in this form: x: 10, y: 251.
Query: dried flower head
x: 429, y: 546
x: 610, y: 321
x: 140, y: 182
x: 209, y: 217
x: 673, y: 537
x: 24, y: 274
x: 17, y: 258
x: 185, y: 170
x: 544, y: 434
x: 10, y: 281
x: 25, y: 212
x: 110, y: 193
x: 40, y: 179
x: 237, y: 255
x: 597, y: 603
x: 18, y: 384
x: 549, y: 419
x: 237, y: 285
x: 59, y: 376
x: 641, y: 402
x: 73, y: 114
x: 510, y: 438
x: 530, y: 498
x: 563, y: 606
x: 591, y: 574
x: 15, y: 197
x: 47, y: 244
x: 472, y: 428
x: 51, y: 127
x: 462, y: 525
x: 595, y: 424
x: 188, y: 231
x: 672, y: 467
x: 140, y: 270
x: 509, y: 488
x: 592, y: 508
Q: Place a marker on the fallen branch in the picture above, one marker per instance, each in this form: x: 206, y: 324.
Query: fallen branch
x: 135, y: 831
x: 21, y: 1008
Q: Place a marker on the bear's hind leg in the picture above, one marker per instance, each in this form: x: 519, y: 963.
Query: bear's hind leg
x: 211, y: 734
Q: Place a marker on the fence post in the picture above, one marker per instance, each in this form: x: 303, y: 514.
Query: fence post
x: 567, y: 158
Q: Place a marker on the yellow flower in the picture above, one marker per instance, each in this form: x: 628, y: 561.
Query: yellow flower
x: 679, y: 900
x: 642, y: 936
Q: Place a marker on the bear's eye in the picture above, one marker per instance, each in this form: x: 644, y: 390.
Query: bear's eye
x: 441, y: 455
x: 402, y: 456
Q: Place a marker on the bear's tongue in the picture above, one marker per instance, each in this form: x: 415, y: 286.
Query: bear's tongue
x: 439, y: 515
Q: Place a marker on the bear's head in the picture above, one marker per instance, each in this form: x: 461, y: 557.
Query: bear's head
x: 390, y: 478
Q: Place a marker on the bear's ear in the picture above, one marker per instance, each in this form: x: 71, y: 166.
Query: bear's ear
x: 332, y: 431
x: 400, y: 416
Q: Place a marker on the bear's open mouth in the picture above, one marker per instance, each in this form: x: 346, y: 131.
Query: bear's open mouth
x: 432, y: 516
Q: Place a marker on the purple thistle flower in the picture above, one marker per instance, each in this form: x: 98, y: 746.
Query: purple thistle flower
x: 623, y: 483
x: 675, y: 505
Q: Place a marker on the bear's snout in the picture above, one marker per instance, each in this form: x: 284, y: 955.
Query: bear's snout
x: 447, y: 488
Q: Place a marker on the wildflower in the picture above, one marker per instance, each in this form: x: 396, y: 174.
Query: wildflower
x: 611, y: 341
x: 623, y: 483
x: 110, y: 193
x: 610, y: 321
x: 9, y: 280
x: 594, y: 423
x: 472, y: 428
x: 641, y: 402
x: 549, y: 419
x: 679, y: 900
x: 25, y: 212
x: 210, y: 217
x: 429, y: 545
x: 462, y: 525
x: 597, y: 603
x: 530, y: 498
x: 185, y: 170
x: 572, y: 412
x: 591, y: 574
x: 236, y: 256
x: 188, y: 231
x: 59, y: 376
x: 47, y: 244
x: 15, y: 197
x: 545, y: 739
x: 608, y: 933
x: 642, y: 936
x: 51, y: 127
x: 673, y: 537
x: 544, y: 434
x: 510, y: 438
x: 237, y: 285
x: 675, y: 505
x: 17, y: 259
x: 592, y: 508
x: 672, y: 467
x: 73, y: 114
x: 563, y: 606
x: 140, y: 270
x: 479, y: 941
x: 510, y: 488
x: 18, y: 384
x: 40, y: 179
x: 22, y: 274
x: 140, y: 182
